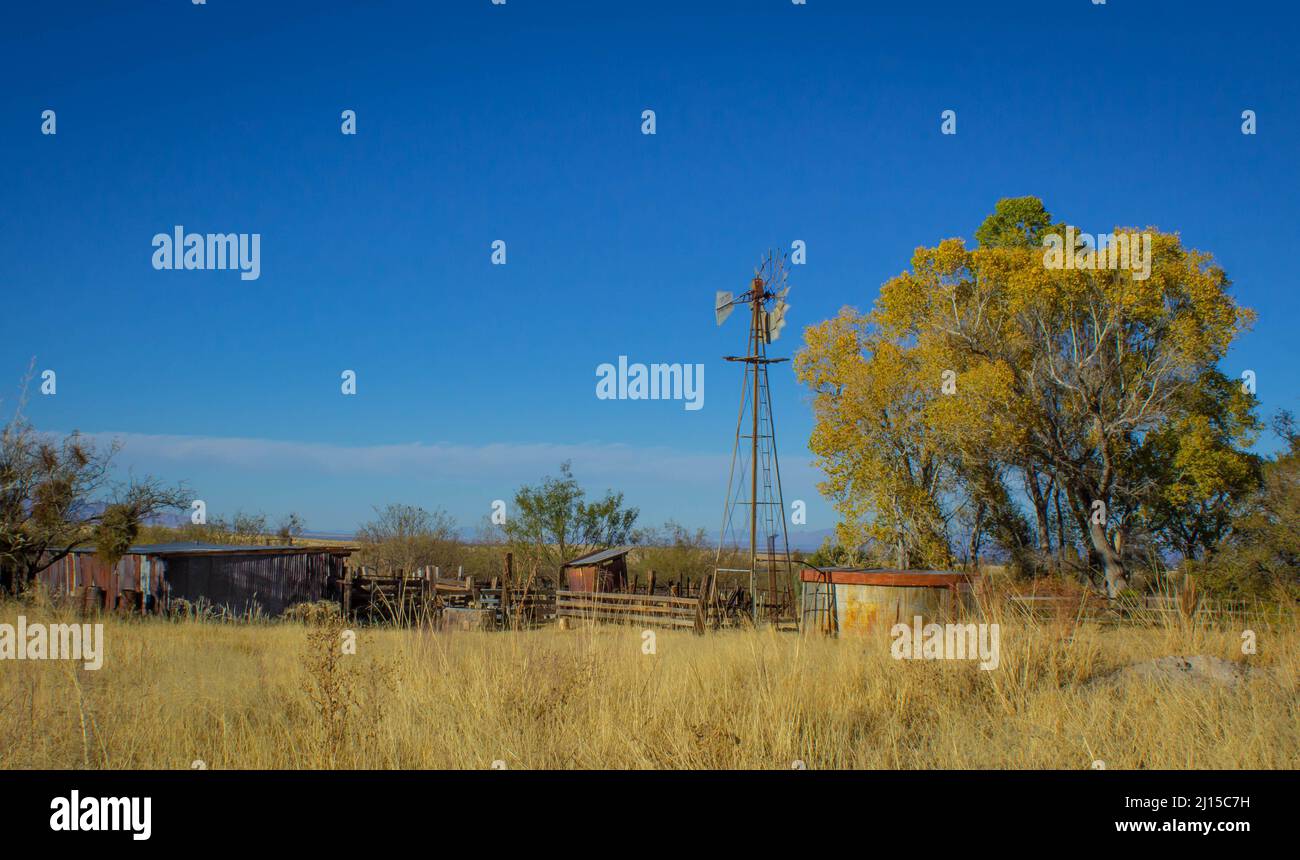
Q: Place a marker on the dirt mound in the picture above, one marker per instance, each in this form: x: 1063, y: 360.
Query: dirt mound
x: 1198, y: 669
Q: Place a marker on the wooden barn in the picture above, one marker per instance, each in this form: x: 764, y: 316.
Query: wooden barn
x: 149, y: 578
x: 603, y: 571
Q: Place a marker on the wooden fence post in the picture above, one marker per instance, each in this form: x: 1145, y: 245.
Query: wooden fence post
x: 347, y: 591
x: 507, y: 583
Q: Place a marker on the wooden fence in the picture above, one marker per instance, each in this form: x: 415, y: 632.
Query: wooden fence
x: 517, y: 608
x: 1151, y: 608
x: 400, y: 599
x: 654, y: 610
x: 426, y: 597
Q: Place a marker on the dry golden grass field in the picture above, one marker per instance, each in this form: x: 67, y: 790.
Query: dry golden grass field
x: 175, y: 693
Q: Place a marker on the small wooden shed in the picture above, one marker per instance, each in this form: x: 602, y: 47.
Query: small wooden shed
x: 604, y: 571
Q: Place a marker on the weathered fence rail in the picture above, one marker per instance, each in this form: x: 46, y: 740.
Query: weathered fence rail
x: 654, y: 610
x: 518, y: 607
x: 1149, y: 608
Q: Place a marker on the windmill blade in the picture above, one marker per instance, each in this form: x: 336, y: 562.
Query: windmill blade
x: 723, y: 305
x: 776, y: 320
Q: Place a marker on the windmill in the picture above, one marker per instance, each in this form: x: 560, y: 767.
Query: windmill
x: 756, y: 490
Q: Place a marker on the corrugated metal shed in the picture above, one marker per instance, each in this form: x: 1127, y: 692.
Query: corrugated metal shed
x: 240, y: 578
x: 193, y: 548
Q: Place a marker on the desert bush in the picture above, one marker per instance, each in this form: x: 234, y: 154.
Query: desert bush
x: 403, y: 538
x: 315, y: 613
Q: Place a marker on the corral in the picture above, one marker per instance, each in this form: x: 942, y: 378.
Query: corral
x: 240, y: 580
x: 425, y: 597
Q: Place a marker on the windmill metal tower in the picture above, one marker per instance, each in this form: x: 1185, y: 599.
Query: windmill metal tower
x: 754, y: 489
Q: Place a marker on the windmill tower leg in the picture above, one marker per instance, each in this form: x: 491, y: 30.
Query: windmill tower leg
x: 756, y: 343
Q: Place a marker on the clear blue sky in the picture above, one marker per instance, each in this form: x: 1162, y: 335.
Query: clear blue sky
x: 522, y: 122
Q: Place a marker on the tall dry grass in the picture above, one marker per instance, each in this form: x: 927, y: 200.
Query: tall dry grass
x: 171, y: 694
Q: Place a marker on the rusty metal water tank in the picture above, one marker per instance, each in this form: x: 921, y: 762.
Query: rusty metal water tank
x: 863, y: 600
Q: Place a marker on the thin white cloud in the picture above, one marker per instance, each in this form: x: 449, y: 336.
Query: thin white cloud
x: 528, y: 461
x: 337, y: 485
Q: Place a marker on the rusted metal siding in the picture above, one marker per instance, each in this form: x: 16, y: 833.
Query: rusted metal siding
x: 604, y: 571
x: 77, y: 570
x: 238, y: 581
x: 580, y: 578
x: 607, y: 577
x: 243, y: 582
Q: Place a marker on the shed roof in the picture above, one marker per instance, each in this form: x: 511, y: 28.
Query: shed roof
x: 598, y: 557
x: 196, y: 548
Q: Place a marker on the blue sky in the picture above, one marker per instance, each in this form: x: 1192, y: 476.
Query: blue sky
x: 522, y: 122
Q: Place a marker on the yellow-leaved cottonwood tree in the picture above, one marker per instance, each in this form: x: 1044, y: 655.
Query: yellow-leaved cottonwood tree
x: 982, y: 365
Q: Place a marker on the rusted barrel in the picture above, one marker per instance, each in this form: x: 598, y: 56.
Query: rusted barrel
x: 92, y: 599
x: 130, y: 601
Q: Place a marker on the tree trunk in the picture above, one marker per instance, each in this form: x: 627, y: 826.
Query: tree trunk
x: 1081, y: 514
x: 1039, y: 499
x: 1060, y: 530
x: 1112, y: 563
x: 976, y: 537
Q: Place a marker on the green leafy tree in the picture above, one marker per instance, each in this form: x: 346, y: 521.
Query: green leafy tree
x: 831, y: 554
x: 1016, y: 222
x: 553, y: 522
x: 1260, y: 555
x: 1201, y: 467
